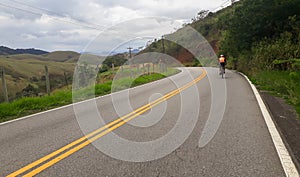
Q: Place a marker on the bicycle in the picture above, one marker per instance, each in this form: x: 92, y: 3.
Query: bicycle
x: 222, y: 71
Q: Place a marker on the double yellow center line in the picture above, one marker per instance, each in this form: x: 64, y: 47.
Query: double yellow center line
x: 58, y: 155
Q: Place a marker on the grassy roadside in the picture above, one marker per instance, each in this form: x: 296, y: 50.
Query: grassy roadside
x: 31, y: 105
x: 284, y: 84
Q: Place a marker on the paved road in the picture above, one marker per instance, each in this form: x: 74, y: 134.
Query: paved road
x: 201, y: 143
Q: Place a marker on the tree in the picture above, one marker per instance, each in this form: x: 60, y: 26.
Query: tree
x: 117, y: 60
x: 255, y: 20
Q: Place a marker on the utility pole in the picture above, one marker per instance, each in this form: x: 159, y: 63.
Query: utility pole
x: 163, y: 44
x: 4, y: 88
x: 164, y: 51
x: 129, y: 61
x: 129, y: 48
x: 66, y: 79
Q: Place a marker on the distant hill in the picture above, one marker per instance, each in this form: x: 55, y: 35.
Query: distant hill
x: 8, y: 51
x: 58, y: 56
x: 62, y: 56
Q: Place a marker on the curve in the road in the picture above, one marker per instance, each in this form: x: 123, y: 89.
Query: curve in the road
x: 60, y: 154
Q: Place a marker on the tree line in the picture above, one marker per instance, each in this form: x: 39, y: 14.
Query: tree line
x: 259, y: 34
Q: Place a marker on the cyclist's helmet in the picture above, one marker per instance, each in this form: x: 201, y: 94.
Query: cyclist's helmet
x: 221, y: 55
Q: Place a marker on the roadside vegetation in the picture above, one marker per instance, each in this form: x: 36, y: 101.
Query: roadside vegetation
x: 262, y: 39
x: 30, y: 105
x: 284, y: 84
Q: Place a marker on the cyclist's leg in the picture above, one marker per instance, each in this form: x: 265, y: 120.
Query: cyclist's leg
x: 222, y: 67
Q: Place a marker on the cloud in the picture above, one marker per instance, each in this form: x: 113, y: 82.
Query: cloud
x: 132, y: 33
x: 72, y: 24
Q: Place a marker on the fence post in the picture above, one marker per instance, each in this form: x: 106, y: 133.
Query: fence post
x: 4, y: 87
x: 66, y: 79
x: 113, y: 67
x: 47, y: 80
x: 131, y: 71
x: 144, y: 70
x: 148, y: 65
x: 153, y: 67
x: 160, y: 66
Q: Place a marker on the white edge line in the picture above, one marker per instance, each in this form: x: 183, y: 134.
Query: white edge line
x: 284, y: 156
x: 69, y: 105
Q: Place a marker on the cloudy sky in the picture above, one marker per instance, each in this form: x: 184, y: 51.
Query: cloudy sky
x: 72, y: 24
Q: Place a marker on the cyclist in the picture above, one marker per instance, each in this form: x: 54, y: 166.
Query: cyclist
x: 222, y: 62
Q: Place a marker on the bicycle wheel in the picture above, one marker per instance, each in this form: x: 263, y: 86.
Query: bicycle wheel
x: 223, y: 72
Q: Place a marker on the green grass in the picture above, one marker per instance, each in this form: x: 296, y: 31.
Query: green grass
x: 31, y: 105
x: 284, y: 84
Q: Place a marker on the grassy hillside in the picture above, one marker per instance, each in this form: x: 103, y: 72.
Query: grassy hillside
x: 211, y: 26
x: 58, y: 56
x: 62, y: 56
x: 22, y: 70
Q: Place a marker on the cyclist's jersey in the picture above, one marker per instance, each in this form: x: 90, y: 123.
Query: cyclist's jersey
x: 222, y: 60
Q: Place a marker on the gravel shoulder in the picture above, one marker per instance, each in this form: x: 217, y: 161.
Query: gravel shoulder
x: 287, y: 122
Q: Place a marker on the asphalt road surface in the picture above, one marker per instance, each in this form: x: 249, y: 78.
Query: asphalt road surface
x: 191, y: 124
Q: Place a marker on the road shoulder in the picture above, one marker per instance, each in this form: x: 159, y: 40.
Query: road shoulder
x: 282, y: 150
x: 285, y: 119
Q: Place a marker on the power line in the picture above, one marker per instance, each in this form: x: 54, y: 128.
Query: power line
x: 34, y: 7
x: 52, y: 17
x: 52, y: 12
x: 28, y: 11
